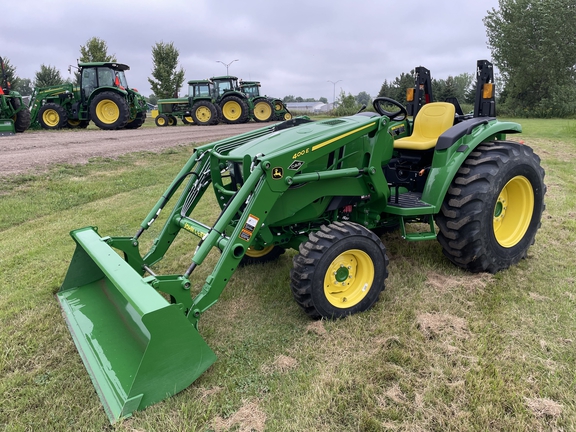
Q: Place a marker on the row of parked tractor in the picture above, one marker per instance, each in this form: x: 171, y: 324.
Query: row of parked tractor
x: 102, y: 95
x: 221, y: 99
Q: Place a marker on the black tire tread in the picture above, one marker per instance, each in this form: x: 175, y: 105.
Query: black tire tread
x: 463, y: 220
x: 310, y: 253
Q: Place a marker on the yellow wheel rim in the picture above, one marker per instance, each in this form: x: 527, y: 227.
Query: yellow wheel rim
x: 231, y: 110
x: 189, y: 119
x: 287, y: 116
x: 107, y: 111
x: 348, y: 278
x: 278, y: 106
x: 262, y: 111
x: 513, y: 211
x: 254, y: 253
x: 51, y: 118
x: 74, y: 123
x: 161, y: 121
x: 204, y: 113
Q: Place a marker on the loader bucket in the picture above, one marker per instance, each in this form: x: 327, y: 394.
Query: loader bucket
x: 7, y: 127
x: 138, y: 348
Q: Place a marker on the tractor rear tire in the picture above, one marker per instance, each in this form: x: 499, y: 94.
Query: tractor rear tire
x: 203, y: 113
x: 109, y: 111
x: 52, y: 116
x: 234, y: 110
x: 493, y: 207
x: 339, y: 271
x: 263, y: 110
x: 261, y: 256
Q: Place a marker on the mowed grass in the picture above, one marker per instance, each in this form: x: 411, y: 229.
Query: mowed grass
x: 442, y: 350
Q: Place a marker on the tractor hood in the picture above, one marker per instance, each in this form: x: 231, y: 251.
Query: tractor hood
x: 297, y: 138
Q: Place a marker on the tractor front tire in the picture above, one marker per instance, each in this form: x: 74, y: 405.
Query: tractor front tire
x: 263, y: 110
x: 52, y: 116
x: 261, y: 256
x: 22, y: 120
x: 137, y: 122
x: 218, y: 117
x: 234, y: 110
x: 339, y: 271
x: 493, y: 207
x: 109, y: 111
x: 161, y: 120
x: 203, y: 113
x: 77, y: 124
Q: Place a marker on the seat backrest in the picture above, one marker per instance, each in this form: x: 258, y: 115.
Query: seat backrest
x: 432, y: 120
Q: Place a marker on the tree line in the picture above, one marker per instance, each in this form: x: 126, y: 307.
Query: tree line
x: 166, y: 78
x: 533, y: 46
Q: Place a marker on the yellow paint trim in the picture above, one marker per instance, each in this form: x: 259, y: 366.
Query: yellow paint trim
x: 325, y: 143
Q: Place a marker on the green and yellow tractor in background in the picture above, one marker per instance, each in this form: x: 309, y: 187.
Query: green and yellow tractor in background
x: 322, y: 188
x: 235, y: 105
x: 265, y: 108
x: 14, y: 114
x: 199, y: 107
x: 101, y: 96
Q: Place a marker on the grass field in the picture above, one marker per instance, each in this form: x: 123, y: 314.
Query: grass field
x: 442, y: 350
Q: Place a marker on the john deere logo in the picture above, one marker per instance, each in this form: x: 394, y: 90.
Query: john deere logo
x: 277, y: 173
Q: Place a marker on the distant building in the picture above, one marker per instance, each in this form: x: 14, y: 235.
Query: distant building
x: 310, y: 107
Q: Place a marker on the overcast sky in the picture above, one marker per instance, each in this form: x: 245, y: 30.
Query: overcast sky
x: 291, y: 47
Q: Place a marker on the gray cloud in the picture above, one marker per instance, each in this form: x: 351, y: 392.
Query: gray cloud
x: 292, y: 47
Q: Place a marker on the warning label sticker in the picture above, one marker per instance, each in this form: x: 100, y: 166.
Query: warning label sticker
x: 249, y: 227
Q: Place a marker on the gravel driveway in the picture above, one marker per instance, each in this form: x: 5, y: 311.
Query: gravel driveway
x: 36, y: 150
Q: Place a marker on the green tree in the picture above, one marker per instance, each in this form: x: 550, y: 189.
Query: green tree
x: 153, y: 99
x: 323, y: 100
x: 363, y: 98
x: 345, y: 105
x: 25, y: 87
x: 533, y: 46
x: 95, y: 50
x: 166, y: 79
x: 289, y: 98
x: 397, y: 89
x: 47, y: 76
x: 11, y: 76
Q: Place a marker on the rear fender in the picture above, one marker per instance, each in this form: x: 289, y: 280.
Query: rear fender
x: 452, y: 149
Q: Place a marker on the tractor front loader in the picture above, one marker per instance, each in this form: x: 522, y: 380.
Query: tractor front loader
x: 14, y: 114
x: 322, y: 188
x: 102, y: 96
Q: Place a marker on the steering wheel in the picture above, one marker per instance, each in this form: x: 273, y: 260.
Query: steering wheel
x: 392, y: 115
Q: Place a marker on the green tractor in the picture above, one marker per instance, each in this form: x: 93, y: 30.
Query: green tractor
x: 198, y: 108
x: 321, y: 188
x: 102, y: 96
x: 236, y: 107
x: 265, y: 108
x: 14, y: 114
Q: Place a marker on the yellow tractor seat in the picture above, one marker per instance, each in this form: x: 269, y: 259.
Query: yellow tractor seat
x: 432, y: 120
